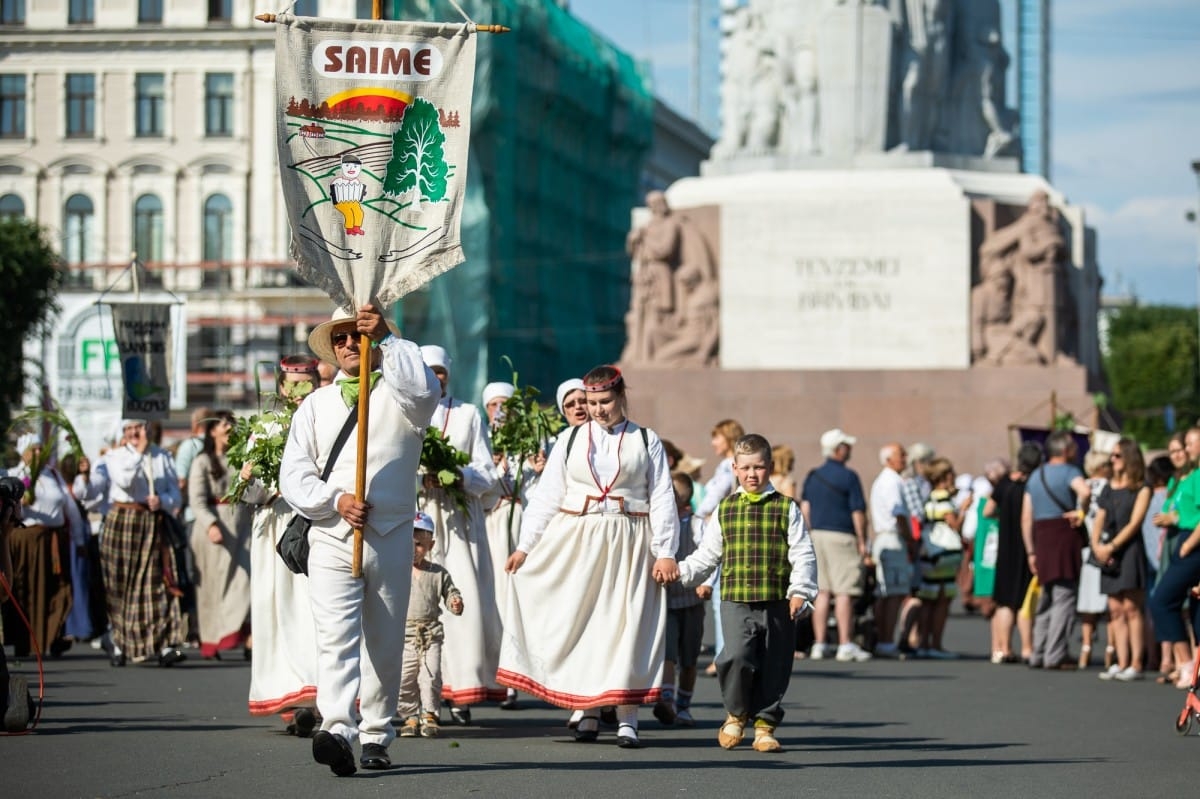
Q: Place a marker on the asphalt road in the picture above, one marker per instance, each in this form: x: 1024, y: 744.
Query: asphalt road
x: 878, y: 729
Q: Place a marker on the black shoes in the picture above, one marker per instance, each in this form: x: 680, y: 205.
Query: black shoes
x: 18, y: 706
x: 460, y: 715
x: 169, y: 657
x: 588, y: 730
x: 334, y: 751
x: 375, y: 757
x: 510, y: 702
x: 304, y: 721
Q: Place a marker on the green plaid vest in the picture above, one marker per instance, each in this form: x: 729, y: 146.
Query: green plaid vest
x: 754, y: 563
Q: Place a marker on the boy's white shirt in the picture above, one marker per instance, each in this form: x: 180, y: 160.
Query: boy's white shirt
x: 705, y: 560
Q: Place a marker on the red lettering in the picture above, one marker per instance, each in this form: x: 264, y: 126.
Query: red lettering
x: 333, y: 54
x: 396, y: 62
x: 422, y: 62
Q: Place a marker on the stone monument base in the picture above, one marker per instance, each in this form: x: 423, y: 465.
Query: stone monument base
x: 964, y: 414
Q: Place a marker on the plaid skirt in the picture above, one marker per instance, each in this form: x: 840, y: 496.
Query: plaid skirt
x: 144, y: 613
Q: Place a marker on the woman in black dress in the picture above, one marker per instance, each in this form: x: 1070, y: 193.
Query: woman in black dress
x: 1012, y: 562
x: 1117, y: 542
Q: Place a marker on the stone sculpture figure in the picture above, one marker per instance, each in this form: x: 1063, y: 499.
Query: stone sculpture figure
x: 1019, y: 309
x: 925, y: 54
x: 738, y: 65
x: 976, y: 119
x: 672, y: 317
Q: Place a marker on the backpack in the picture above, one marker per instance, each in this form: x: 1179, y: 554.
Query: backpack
x: 941, y: 552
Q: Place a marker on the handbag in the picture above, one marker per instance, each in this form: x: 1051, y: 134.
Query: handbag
x: 293, y: 544
x: 1113, y: 567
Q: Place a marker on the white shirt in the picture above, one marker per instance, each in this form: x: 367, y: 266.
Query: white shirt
x: 719, y: 486
x: 803, y: 580
x: 48, y: 499
x: 129, y: 472
x: 887, y: 501
x: 552, y: 487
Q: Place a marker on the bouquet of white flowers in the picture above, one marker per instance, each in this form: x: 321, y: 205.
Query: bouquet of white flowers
x: 259, y: 439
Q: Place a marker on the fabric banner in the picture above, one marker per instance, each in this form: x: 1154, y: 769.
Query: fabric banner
x: 373, y: 125
x: 144, y: 345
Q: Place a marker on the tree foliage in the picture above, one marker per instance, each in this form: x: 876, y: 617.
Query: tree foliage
x: 29, y: 282
x: 418, y: 163
x: 1152, y: 365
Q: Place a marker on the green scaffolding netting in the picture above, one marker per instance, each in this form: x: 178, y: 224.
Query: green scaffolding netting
x: 561, y: 123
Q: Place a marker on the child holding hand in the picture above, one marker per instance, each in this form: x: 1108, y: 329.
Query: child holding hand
x: 421, y: 680
x: 768, y: 581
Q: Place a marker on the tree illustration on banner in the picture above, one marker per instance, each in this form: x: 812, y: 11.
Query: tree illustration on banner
x: 418, y: 164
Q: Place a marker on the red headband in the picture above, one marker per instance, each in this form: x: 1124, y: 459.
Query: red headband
x: 606, y: 385
x: 307, y: 366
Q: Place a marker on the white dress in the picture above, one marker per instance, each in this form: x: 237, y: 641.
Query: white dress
x: 585, y: 621
x: 283, y: 673
x: 471, y: 651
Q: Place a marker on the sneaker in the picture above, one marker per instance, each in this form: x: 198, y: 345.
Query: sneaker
x: 411, y: 728
x: 887, y: 651
x: 1110, y: 672
x: 940, y: 654
x: 429, y: 726
x: 665, y: 711
x: 852, y: 652
x: 683, y: 717
x: 997, y: 658
x: 820, y: 651
x: 1128, y: 675
x: 18, y: 705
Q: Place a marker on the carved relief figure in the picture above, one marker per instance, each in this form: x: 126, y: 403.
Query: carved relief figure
x: 672, y: 316
x: 1020, y: 309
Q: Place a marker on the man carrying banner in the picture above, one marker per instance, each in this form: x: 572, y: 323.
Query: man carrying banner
x: 360, y: 644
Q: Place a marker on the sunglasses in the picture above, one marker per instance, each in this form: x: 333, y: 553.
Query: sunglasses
x: 340, y: 339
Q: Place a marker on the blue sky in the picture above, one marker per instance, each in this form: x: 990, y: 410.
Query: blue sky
x: 1125, y: 111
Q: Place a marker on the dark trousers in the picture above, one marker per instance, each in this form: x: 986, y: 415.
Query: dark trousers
x: 755, y: 666
x: 1174, y: 585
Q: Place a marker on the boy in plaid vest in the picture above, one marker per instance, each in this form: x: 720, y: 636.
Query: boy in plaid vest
x: 768, y: 580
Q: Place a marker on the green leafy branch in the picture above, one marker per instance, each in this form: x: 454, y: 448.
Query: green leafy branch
x: 444, y: 463
x: 56, y: 420
x: 259, y: 439
x: 523, y: 431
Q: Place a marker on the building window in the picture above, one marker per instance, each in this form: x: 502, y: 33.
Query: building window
x: 81, y: 105
x: 151, y: 99
x: 218, y: 104
x: 81, y: 12
x: 220, y: 10
x: 12, y: 106
x: 77, y: 237
x: 150, y: 12
x: 12, y: 12
x: 12, y: 207
x: 148, y: 228
x: 218, y: 240
x: 305, y: 8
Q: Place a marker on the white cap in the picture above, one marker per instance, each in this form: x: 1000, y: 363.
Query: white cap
x: 982, y: 487
x: 963, y: 482
x: 831, y: 439
x: 423, y: 521
x: 27, y: 440
x: 433, y: 355
x: 494, y: 390
x: 565, y: 388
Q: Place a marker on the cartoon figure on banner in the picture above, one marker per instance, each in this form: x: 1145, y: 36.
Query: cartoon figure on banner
x: 348, y: 192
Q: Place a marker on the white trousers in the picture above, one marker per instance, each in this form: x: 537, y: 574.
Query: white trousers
x: 360, y: 631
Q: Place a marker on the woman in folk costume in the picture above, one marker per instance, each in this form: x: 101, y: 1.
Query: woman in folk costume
x: 472, y: 648
x: 143, y: 594
x: 587, y: 614
x: 221, y: 545
x: 41, y: 549
x: 283, y: 673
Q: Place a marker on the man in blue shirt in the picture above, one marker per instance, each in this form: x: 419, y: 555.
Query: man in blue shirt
x: 835, y: 510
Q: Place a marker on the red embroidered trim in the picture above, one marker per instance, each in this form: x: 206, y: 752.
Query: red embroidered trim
x: 269, y: 707
x: 595, y: 477
x: 472, y: 696
x: 615, y: 381
x: 619, y: 696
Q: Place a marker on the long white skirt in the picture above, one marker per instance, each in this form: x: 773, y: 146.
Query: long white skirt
x: 283, y: 672
x: 471, y: 651
x: 585, y: 623
x: 499, y: 544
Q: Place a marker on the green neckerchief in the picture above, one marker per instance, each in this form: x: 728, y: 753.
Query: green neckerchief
x: 750, y: 498
x: 349, y: 387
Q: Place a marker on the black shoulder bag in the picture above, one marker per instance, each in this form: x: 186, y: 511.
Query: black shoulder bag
x: 293, y: 544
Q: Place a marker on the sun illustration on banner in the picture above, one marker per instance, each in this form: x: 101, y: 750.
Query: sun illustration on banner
x: 379, y: 155
x: 137, y: 383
